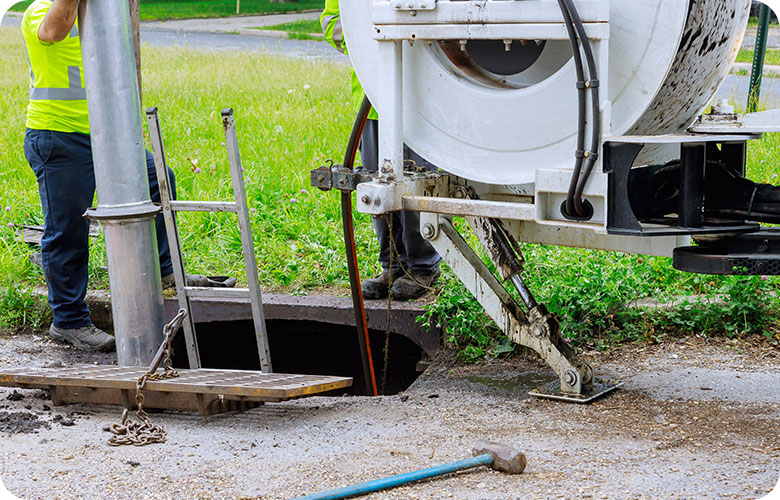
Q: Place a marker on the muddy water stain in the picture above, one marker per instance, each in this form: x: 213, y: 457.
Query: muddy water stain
x: 519, y: 383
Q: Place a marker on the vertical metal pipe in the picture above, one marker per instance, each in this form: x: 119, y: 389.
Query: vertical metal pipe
x: 391, y: 137
x: 124, y: 204
x: 759, y: 54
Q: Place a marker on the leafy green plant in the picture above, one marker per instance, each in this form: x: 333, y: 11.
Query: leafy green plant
x: 597, y: 297
x: 748, y: 306
x: 22, y: 308
x: 468, y: 329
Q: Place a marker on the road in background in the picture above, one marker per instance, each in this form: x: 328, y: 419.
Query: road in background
x: 158, y: 34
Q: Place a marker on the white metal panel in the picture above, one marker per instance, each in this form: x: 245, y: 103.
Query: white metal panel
x: 460, y: 12
x: 501, y: 136
x: 514, y: 31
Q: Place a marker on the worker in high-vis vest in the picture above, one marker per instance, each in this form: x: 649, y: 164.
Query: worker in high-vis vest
x: 415, y: 268
x: 57, y: 147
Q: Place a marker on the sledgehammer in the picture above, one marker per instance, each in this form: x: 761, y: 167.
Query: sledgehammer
x: 494, y: 455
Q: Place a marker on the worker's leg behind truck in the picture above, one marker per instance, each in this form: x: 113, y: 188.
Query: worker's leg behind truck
x: 62, y: 163
x: 411, y: 253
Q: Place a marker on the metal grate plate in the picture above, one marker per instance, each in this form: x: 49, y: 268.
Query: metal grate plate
x: 228, y: 384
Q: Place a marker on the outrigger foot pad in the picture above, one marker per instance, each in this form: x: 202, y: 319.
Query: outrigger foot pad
x: 553, y: 391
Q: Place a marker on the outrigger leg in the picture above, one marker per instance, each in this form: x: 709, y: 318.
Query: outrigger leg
x: 533, y: 327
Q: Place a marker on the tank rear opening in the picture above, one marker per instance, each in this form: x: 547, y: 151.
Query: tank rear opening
x: 306, y: 347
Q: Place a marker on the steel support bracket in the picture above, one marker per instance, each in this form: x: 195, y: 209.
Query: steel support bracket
x: 322, y: 178
x: 337, y: 177
x: 118, y: 213
x: 380, y: 197
x: 537, y: 329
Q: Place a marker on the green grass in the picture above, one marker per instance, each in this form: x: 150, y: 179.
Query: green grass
x: 772, y: 57
x: 302, y: 30
x: 293, y: 115
x: 753, y: 22
x: 184, y: 9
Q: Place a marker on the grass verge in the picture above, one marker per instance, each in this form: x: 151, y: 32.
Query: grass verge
x: 772, y: 57
x: 188, y: 9
x: 300, y: 30
x: 753, y: 22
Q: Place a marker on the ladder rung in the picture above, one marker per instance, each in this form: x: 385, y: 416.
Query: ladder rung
x: 217, y: 293
x: 203, y: 206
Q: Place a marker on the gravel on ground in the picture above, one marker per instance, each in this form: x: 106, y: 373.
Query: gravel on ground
x: 696, y: 418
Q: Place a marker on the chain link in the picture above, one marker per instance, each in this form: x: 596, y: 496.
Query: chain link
x: 141, y: 430
x: 386, y: 354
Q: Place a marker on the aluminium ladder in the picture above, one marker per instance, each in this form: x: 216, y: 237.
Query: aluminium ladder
x: 239, y: 206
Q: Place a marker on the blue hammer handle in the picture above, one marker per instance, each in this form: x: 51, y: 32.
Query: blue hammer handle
x: 399, y: 480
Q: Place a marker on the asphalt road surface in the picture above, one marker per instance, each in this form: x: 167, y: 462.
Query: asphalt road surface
x: 229, y: 41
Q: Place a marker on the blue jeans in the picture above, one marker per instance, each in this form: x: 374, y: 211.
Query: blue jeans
x: 62, y: 163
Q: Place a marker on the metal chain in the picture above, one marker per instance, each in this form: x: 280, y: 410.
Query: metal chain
x: 409, y: 164
x: 142, y: 430
x: 389, y: 303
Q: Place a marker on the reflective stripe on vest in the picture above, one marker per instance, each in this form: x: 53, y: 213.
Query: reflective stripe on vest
x: 337, y: 35
x: 74, y: 92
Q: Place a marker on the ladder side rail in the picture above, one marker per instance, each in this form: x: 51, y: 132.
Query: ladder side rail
x: 247, y: 245
x: 164, y: 182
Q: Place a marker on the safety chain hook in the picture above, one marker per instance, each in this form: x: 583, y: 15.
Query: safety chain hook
x: 142, y: 430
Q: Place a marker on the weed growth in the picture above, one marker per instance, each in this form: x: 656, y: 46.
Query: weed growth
x: 21, y: 308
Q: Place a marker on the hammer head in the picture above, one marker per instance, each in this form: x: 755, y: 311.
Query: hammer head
x: 505, y: 459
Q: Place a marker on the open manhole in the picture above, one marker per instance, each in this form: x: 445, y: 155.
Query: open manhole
x: 313, y: 335
x: 308, y: 347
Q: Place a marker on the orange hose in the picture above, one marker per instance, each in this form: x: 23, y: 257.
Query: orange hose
x: 349, y: 242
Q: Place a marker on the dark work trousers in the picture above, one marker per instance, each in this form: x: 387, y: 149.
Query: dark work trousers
x: 62, y: 163
x: 415, y: 252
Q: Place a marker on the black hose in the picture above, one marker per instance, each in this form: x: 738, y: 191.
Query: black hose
x: 349, y: 244
x: 574, y: 202
x: 581, y: 117
x: 593, y: 85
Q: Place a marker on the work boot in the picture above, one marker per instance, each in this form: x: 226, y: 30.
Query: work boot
x: 378, y: 286
x: 86, y: 338
x: 415, y: 284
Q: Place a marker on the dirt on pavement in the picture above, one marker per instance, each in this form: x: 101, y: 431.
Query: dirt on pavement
x: 696, y: 418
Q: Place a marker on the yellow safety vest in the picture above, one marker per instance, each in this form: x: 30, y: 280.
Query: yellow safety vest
x: 58, y: 99
x: 330, y: 19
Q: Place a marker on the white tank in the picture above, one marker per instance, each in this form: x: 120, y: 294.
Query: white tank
x: 667, y: 59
